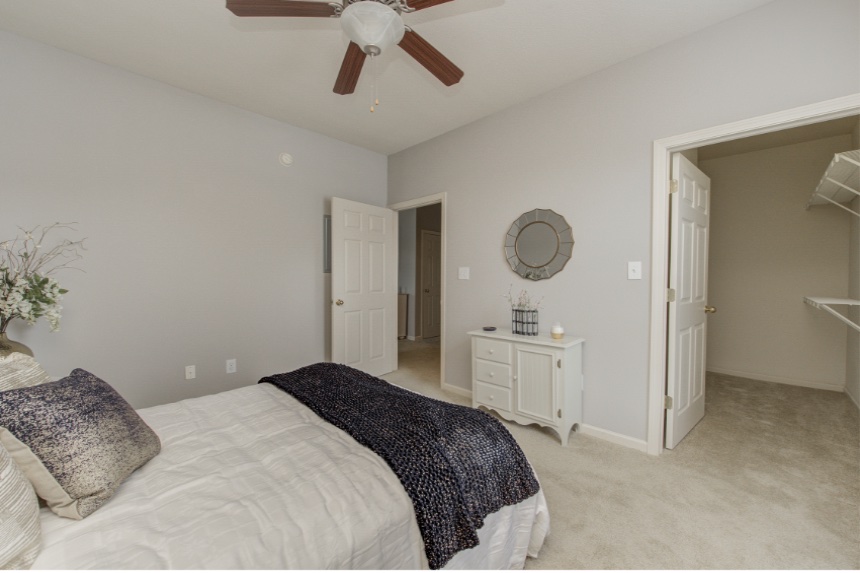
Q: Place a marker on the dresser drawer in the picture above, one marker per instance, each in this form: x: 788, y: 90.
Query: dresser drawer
x: 495, y: 350
x: 493, y: 396
x: 493, y: 372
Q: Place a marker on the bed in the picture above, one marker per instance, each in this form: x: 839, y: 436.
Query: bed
x: 253, y: 478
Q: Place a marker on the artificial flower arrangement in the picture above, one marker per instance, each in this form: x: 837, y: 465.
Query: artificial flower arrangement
x: 27, y: 289
x: 524, y: 313
x: 524, y: 301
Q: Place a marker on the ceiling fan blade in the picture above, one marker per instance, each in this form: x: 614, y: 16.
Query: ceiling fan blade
x: 421, y: 4
x: 304, y: 8
x: 350, y: 69
x: 431, y: 58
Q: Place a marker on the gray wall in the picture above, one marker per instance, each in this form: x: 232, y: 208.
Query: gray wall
x: 767, y: 251
x: 201, y: 245
x: 585, y: 151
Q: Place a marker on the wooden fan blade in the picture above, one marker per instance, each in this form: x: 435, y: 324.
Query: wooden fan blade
x: 421, y: 4
x: 304, y: 8
x: 431, y: 58
x: 350, y: 69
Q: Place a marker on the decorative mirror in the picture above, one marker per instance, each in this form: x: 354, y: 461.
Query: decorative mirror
x: 539, y: 244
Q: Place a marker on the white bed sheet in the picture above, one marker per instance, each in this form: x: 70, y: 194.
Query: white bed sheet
x: 252, y: 479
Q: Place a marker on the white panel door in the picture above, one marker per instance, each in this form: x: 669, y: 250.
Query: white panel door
x: 364, y: 286
x: 688, y: 276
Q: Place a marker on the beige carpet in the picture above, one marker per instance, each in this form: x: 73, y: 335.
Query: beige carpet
x: 770, y: 479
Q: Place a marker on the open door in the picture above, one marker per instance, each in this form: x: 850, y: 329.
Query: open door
x: 690, y: 207
x: 364, y: 286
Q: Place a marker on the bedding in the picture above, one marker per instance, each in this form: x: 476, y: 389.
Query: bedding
x: 253, y: 479
x: 457, y: 464
x: 20, y: 371
x: 20, y: 535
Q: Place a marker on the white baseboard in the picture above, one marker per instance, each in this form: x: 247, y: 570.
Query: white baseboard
x: 457, y: 390
x: 615, y: 438
x: 779, y: 379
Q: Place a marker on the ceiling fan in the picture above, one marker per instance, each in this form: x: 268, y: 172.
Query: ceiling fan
x: 371, y: 25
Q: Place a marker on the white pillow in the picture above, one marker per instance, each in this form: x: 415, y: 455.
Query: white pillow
x: 20, y: 530
x: 20, y: 371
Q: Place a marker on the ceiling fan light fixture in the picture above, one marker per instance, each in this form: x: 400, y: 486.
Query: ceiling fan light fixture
x: 373, y: 26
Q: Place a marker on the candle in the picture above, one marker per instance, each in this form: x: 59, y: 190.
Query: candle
x: 557, y: 331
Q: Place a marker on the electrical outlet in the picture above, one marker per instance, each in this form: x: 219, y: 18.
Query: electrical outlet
x: 190, y: 372
x: 231, y: 366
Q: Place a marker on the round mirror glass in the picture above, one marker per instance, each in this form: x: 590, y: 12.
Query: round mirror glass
x: 539, y: 244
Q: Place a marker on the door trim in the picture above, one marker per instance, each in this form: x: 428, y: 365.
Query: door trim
x: 441, y: 198
x: 662, y: 151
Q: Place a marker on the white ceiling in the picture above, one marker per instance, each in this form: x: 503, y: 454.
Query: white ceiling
x: 284, y: 68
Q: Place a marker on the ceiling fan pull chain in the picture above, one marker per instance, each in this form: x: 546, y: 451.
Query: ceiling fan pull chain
x: 374, y: 93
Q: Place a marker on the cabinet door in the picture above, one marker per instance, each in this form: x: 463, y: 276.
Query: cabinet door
x: 536, y: 382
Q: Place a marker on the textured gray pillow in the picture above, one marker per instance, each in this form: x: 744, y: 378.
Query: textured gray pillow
x: 76, y: 440
x: 20, y: 371
x: 20, y: 531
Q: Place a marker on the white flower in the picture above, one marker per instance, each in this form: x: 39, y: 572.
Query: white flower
x: 26, y: 289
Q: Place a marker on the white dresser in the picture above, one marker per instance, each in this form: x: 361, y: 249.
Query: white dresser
x: 529, y: 379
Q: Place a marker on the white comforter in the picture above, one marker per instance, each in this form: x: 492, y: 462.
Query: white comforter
x: 252, y: 479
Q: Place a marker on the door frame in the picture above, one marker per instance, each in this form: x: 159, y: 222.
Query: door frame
x: 442, y: 199
x: 661, y: 163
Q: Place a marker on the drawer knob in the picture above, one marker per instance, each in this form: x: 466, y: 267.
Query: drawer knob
x: 492, y: 374
x: 492, y: 351
x: 492, y: 397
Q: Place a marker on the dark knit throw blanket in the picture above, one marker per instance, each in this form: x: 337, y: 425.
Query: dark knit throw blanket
x: 458, y: 464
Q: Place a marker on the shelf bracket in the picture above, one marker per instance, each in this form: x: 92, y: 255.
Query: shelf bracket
x: 840, y: 184
x: 825, y: 305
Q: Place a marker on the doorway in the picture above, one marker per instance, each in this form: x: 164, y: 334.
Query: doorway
x: 663, y: 149
x: 421, y: 287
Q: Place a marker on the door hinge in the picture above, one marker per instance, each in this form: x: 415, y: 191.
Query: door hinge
x: 667, y: 402
x: 558, y: 363
x: 559, y: 412
x: 670, y: 295
x: 673, y: 186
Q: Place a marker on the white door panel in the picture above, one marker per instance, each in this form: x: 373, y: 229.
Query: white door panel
x: 364, y: 286
x: 688, y: 276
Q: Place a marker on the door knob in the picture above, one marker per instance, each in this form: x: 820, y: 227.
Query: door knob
x: 426, y: 290
x: 339, y: 302
x: 710, y: 309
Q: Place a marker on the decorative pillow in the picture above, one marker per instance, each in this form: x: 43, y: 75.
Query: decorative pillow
x: 76, y: 440
x: 20, y: 531
x: 21, y: 371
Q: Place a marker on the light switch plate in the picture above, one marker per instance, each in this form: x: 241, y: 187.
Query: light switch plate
x: 463, y: 273
x: 634, y: 270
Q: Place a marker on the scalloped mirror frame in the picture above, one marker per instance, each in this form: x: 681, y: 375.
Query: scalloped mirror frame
x: 545, y: 259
